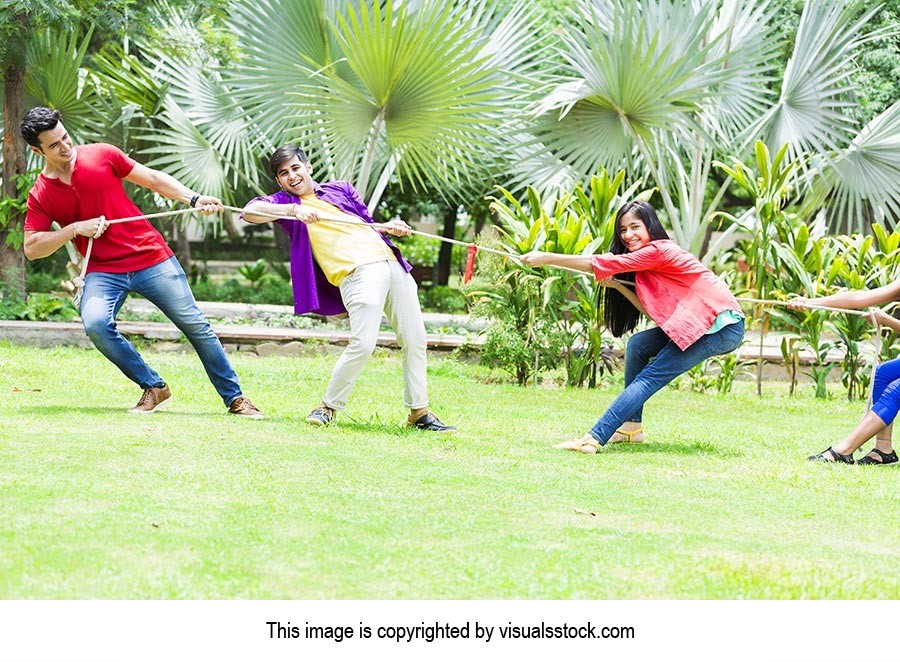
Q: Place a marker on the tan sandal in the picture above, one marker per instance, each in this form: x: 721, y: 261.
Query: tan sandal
x: 586, y: 444
x: 628, y: 436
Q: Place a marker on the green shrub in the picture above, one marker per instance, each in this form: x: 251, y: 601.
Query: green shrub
x: 444, y: 299
x: 40, y: 281
x: 39, y: 307
x: 268, y: 290
x: 522, y: 354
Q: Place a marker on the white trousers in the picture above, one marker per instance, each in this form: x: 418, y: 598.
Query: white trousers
x: 368, y: 292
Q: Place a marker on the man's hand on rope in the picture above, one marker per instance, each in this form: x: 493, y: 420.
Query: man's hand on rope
x: 395, y: 227
x: 94, y: 227
x: 207, y: 204
x: 304, y: 214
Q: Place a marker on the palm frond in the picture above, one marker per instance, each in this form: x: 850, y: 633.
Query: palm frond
x: 425, y: 84
x: 814, y: 112
x: 626, y: 77
x: 283, y: 43
x: 747, y: 48
x: 864, y: 181
x: 57, y: 77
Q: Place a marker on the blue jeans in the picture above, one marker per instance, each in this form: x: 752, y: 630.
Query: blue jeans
x: 166, y: 286
x: 643, y: 378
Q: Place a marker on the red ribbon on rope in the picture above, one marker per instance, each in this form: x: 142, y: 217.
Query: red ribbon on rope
x: 470, y: 262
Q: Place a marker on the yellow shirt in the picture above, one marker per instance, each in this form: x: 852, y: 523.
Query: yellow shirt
x: 339, y: 248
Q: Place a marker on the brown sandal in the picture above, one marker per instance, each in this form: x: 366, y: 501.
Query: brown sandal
x: 590, y: 447
x: 629, y: 436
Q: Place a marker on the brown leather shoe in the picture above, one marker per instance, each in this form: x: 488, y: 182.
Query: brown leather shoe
x: 243, y: 407
x: 154, y: 398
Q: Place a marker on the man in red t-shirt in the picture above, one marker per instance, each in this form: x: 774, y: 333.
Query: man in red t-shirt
x: 79, y: 189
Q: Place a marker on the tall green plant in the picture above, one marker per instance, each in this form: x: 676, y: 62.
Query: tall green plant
x: 523, y: 337
x: 576, y: 223
x: 769, y: 187
x: 806, y: 261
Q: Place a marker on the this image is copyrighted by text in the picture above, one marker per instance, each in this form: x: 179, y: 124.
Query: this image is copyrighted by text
x: 430, y: 632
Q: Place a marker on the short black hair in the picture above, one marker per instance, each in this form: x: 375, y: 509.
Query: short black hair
x: 37, y: 120
x: 283, y: 154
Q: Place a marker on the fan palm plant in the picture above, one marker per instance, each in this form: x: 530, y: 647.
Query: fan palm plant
x: 671, y: 86
x: 420, y: 89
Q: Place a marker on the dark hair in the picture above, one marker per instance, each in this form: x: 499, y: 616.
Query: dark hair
x: 283, y: 154
x: 37, y: 120
x: 619, y: 314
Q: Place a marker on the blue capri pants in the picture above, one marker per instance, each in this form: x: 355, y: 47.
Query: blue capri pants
x: 886, y: 391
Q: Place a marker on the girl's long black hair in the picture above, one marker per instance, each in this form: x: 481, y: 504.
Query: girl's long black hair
x: 619, y: 314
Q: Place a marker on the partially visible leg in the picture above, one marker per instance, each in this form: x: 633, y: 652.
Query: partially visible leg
x: 883, y: 444
x: 878, y: 422
x: 402, y: 309
x: 641, y: 348
x: 886, y: 403
x: 166, y: 286
x: 104, y: 295
x: 364, y: 292
x: 870, y: 425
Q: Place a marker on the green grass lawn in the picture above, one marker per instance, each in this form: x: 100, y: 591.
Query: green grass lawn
x: 191, y: 503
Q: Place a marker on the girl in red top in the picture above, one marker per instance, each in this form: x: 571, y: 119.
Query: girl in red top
x: 696, y: 314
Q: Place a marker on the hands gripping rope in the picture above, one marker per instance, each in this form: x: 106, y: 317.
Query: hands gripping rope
x: 102, y: 226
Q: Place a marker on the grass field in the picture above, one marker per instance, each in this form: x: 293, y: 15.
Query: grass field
x: 191, y: 503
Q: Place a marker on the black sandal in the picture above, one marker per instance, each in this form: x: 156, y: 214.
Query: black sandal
x: 831, y: 455
x: 886, y: 458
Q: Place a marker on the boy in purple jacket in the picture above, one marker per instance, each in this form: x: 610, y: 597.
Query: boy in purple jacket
x: 339, y: 267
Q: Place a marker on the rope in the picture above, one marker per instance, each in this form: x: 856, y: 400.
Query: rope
x: 329, y: 218
x: 325, y: 217
x: 776, y: 302
x: 472, y: 248
x: 876, y: 342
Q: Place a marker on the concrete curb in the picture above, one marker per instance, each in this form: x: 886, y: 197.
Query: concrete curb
x: 259, y: 339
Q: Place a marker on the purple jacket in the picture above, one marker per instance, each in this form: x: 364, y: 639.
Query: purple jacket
x: 312, y: 291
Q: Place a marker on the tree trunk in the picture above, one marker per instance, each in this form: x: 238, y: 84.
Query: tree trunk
x: 444, y: 258
x: 12, y: 259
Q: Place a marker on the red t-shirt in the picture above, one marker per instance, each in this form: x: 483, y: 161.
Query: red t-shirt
x: 97, y: 190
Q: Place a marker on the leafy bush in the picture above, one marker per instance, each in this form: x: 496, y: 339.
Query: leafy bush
x: 39, y: 307
x: 442, y: 298
x: 40, y: 281
x: 268, y: 290
x: 521, y: 354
